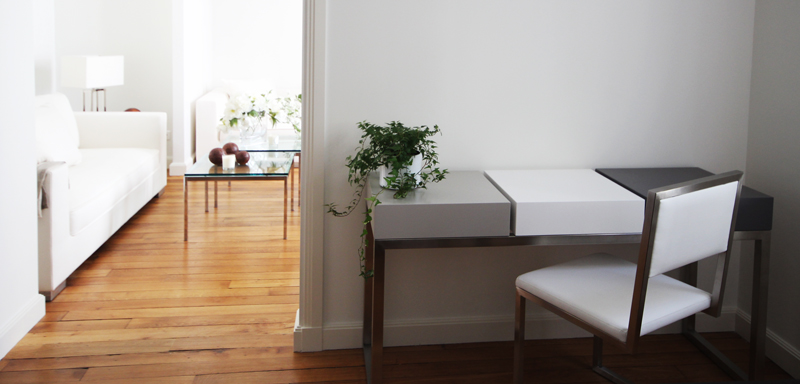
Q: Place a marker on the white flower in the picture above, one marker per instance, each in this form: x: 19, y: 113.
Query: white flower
x: 260, y: 103
x: 243, y: 104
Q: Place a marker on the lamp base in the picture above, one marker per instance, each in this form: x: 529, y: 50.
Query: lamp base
x: 94, y: 99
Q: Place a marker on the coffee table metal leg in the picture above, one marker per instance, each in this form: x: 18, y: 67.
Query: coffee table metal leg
x: 285, y: 190
x: 185, y: 210
x: 206, y: 195
x: 215, y: 193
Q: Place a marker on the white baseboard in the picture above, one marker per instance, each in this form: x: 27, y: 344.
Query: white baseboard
x: 486, y: 329
x: 18, y: 326
x: 306, y: 339
x: 177, y: 169
x: 783, y: 353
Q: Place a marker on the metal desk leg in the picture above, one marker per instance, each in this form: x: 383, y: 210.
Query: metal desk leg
x: 369, y: 255
x: 185, y: 211
x: 206, y: 196
x: 758, y: 310
x: 215, y: 193
x: 379, y: 265
x: 285, y: 184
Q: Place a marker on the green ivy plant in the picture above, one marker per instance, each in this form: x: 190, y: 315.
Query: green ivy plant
x: 395, y: 147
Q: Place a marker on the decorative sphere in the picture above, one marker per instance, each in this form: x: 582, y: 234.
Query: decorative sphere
x: 242, y: 157
x: 132, y: 110
x: 216, y: 156
x: 230, y: 148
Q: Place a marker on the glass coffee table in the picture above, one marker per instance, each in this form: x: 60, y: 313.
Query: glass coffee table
x: 262, y: 166
x: 274, y: 142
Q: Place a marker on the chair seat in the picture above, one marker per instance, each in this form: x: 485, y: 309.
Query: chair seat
x: 598, y: 289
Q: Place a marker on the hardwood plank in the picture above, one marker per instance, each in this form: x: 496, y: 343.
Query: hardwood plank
x: 182, y: 311
x: 149, y: 380
x: 280, y: 377
x: 148, y: 295
x: 174, y: 302
x: 287, y: 319
x: 283, y: 291
x: 50, y: 376
x: 138, y: 359
x: 3, y: 364
x: 91, y: 273
x: 264, y: 283
x: 230, y: 363
x: 204, y: 270
x: 145, y: 287
x: 195, y: 263
x: 145, y: 333
x: 62, y: 326
x: 53, y: 316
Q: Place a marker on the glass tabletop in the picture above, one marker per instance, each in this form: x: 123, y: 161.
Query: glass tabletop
x: 274, y: 142
x: 260, y: 164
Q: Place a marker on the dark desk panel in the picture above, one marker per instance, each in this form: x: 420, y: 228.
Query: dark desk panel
x: 755, y: 208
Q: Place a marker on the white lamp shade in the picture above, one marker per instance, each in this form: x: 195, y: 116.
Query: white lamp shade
x: 91, y: 72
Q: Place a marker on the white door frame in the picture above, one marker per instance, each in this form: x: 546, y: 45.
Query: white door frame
x: 308, y: 324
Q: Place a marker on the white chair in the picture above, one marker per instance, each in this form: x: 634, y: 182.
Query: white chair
x: 619, y: 301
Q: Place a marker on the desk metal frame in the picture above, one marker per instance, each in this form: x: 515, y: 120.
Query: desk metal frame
x: 374, y: 292
x: 215, y: 179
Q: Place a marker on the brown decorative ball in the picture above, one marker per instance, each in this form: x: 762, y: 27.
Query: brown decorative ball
x: 216, y: 156
x: 242, y: 157
x: 230, y: 148
x: 132, y: 110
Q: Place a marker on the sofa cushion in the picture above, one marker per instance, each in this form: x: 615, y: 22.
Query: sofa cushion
x: 103, y: 178
x: 56, y: 130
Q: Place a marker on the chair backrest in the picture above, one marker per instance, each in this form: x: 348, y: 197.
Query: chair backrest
x: 691, y: 226
x: 685, y: 223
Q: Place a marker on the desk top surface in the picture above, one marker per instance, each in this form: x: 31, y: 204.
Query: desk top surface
x: 459, y: 187
x: 755, y: 208
x: 558, y: 186
x: 641, y: 180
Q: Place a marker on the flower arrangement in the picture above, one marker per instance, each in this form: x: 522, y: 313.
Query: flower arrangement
x: 249, y: 113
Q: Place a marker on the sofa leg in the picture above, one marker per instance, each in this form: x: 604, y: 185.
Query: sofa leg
x: 50, y: 295
x: 161, y: 192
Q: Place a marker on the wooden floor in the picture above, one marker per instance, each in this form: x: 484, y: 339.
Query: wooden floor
x: 150, y: 308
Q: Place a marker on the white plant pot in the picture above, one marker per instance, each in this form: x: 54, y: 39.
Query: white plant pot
x: 415, y: 168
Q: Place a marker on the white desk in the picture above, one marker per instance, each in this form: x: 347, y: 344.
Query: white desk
x: 467, y: 191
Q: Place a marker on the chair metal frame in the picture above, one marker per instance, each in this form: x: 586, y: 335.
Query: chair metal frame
x: 688, y: 275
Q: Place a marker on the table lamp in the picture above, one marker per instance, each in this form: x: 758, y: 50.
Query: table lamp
x: 94, y: 73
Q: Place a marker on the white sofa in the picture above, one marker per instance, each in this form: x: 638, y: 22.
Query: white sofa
x: 97, y: 169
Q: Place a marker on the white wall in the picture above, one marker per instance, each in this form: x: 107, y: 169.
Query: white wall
x: 258, y: 40
x: 772, y: 167
x: 21, y: 305
x: 191, y: 74
x: 45, y: 46
x: 512, y: 84
x: 139, y: 30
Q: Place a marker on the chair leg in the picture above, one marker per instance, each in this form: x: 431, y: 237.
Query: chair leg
x: 597, y: 364
x: 519, y: 339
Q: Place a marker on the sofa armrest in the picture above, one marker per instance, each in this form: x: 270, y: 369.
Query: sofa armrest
x: 209, y: 108
x: 54, y: 222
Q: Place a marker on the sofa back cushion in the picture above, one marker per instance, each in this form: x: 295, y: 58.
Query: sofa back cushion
x: 56, y: 130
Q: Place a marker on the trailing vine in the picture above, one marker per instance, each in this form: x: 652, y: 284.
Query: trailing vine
x: 393, y: 146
